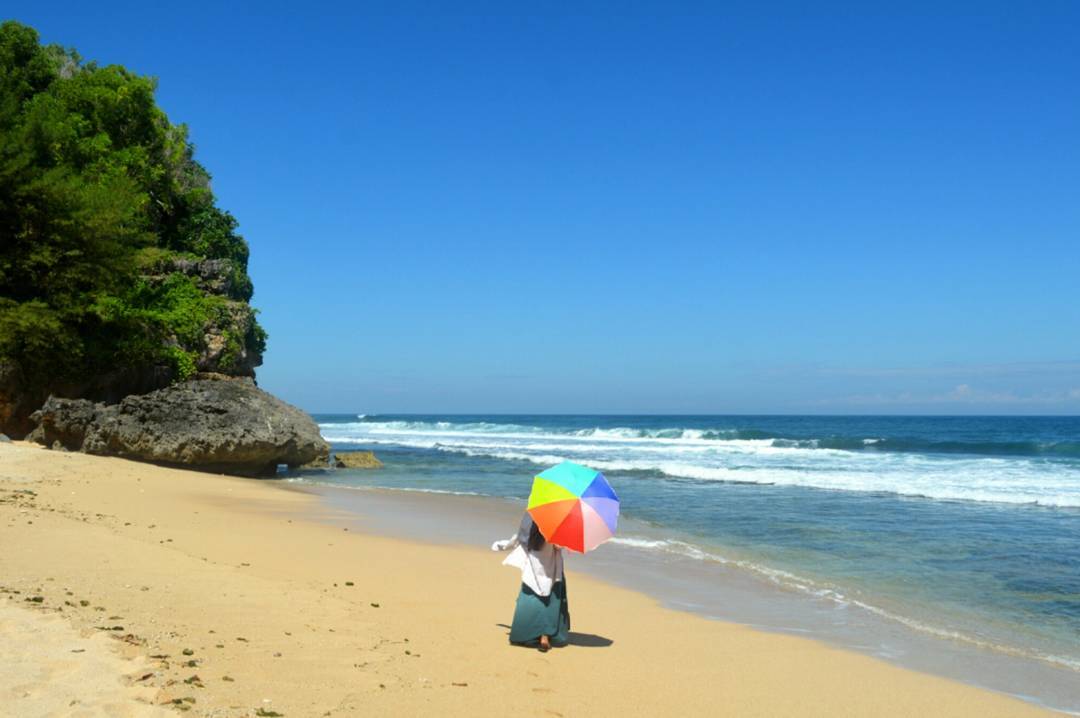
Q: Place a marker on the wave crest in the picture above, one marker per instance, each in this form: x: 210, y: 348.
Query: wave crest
x: 865, y: 464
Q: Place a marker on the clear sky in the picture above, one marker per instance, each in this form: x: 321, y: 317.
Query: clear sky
x: 637, y: 207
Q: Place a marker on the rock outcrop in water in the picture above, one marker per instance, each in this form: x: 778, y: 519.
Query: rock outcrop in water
x: 356, y: 460
x: 225, y: 426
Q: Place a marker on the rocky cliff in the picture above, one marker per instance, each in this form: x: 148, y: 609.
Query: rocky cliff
x: 119, y: 272
x: 224, y: 339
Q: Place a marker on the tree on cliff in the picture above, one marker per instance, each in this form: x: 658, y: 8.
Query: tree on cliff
x: 114, y: 256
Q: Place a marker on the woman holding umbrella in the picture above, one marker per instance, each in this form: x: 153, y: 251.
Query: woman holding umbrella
x: 570, y: 506
x: 541, y: 616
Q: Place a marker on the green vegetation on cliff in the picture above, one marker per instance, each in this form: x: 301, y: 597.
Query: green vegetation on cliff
x: 114, y: 256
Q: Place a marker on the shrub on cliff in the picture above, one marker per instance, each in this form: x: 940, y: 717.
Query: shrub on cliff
x: 106, y: 225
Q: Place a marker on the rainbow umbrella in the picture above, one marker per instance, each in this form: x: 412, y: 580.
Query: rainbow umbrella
x: 574, y: 506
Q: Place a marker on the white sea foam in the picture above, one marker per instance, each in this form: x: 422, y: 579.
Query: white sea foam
x: 719, y: 455
x: 790, y: 581
x: 783, y: 579
x: 309, y: 481
x: 679, y: 548
x: 953, y: 635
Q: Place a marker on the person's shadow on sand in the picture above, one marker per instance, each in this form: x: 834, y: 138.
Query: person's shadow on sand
x: 573, y: 638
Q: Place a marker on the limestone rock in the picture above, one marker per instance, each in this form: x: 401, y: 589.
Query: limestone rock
x: 19, y: 398
x: 356, y: 460
x: 321, y: 462
x: 214, y: 276
x: 230, y: 427
x: 16, y: 402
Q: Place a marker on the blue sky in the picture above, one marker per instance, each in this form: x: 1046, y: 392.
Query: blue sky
x: 708, y: 208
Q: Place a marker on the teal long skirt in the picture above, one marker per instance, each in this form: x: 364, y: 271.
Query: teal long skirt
x: 536, y: 616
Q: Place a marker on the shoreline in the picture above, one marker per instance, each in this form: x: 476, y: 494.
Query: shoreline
x: 721, y: 590
x: 308, y: 617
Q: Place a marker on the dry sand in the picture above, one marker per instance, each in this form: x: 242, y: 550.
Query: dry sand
x: 231, y: 597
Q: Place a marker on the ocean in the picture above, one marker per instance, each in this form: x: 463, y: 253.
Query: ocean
x: 961, y: 533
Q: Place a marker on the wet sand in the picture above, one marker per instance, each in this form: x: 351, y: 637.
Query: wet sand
x: 222, y: 596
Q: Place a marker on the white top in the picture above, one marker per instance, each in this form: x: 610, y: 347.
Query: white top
x: 539, y: 569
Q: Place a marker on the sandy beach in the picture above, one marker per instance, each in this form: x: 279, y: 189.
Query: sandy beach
x: 132, y: 589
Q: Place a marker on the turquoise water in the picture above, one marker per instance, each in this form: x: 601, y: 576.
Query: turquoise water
x: 963, y: 528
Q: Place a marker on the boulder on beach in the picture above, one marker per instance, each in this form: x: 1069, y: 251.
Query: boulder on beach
x: 356, y: 460
x: 225, y: 426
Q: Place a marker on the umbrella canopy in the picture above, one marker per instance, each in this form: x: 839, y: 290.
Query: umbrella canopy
x: 574, y: 506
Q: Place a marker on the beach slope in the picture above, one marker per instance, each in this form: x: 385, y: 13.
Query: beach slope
x: 230, y: 597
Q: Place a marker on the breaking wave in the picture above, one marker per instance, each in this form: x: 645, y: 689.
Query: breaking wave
x: 1001, y: 472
